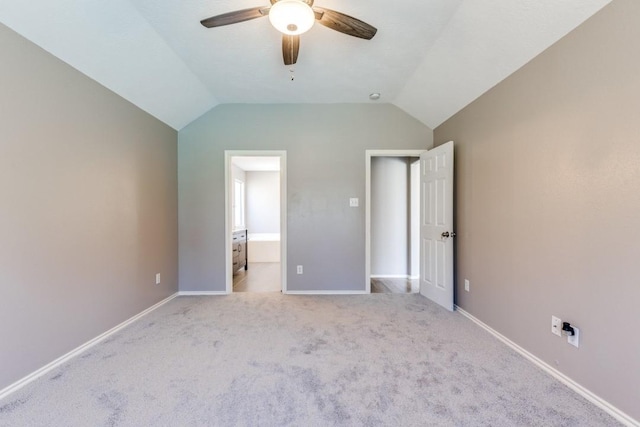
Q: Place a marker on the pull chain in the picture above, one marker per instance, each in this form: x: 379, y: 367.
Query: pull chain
x: 291, y: 74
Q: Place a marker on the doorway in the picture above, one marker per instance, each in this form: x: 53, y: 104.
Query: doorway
x: 255, y: 187
x: 393, y: 212
x: 435, y: 220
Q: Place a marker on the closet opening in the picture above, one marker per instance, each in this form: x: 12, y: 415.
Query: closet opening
x: 393, y: 221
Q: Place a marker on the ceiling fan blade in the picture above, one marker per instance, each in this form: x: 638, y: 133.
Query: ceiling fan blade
x: 235, y: 17
x: 290, y: 48
x: 345, y: 24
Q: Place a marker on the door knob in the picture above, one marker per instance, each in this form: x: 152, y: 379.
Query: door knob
x: 446, y: 234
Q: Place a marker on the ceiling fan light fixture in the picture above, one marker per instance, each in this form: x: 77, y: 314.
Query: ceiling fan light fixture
x: 292, y: 17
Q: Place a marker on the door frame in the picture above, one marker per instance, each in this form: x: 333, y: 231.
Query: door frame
x: 367, y: 236
x: 228, y: 214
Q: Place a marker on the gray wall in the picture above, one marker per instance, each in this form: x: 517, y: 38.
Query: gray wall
x: 325, y: 147
x: 88, y: 206
x: 548, y: 204
x: 263, y: 201
x: 390, y: 216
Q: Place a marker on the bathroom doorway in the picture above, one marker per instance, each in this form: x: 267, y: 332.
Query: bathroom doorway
x: 255, y: 224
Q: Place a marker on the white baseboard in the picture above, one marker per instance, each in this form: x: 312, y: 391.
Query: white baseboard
x: 390, y: 276
x: 197, y: 293
x: 582, y: 391
x: 320, y: 292
x: 394, y: 276
x: 76, y: 351
x: 326, y: 292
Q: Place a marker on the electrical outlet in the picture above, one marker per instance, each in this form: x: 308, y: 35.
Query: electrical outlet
x: 574, y: 339
x: 157, y: 278
x: 556, y: 326
x: 466, y: 285
x: 299, y: 269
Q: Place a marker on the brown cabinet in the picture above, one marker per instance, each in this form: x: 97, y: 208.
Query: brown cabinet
x: 239, y: 248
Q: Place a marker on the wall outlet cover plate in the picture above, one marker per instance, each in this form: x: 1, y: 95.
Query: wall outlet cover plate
x: 574, y: 339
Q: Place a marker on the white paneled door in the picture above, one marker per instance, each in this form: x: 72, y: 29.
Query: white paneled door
x: 436, y: 225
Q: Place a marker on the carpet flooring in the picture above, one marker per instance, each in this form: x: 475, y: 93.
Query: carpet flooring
x: 269, y: 359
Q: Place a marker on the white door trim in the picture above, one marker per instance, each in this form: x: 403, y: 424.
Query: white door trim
x: 367, y: 235
x: 228, y: 154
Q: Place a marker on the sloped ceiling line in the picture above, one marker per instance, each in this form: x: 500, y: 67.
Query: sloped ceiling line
x: 429, y: 58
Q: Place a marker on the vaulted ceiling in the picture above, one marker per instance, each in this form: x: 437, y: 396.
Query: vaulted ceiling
x: 429, y: 57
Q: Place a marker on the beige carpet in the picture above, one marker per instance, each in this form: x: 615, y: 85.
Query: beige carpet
x: 269, y: 359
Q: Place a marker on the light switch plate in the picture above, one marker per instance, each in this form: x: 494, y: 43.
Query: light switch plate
x: 354, y: 202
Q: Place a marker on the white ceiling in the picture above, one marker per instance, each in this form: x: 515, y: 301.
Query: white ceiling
x: 257, y: 163
x: 430, y: 57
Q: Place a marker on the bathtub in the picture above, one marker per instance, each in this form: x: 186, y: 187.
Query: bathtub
x: 263, y: 247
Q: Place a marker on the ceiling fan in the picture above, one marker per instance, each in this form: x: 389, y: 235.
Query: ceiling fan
x: 292, y: 18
